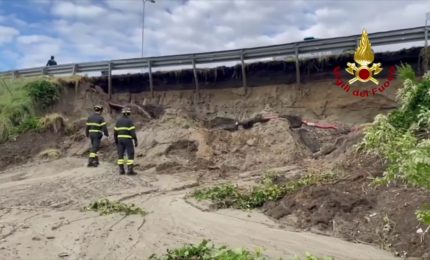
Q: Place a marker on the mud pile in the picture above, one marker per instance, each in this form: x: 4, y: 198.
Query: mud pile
x: 353, y: 209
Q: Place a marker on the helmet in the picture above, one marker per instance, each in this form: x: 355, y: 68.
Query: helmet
x: 98, y: 108
x: 126, y: 111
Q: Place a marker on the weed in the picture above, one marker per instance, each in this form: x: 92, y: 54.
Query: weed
x: 205, y: 250
x: 228, y: 195
x: 208, y: 251
x: 106, y: 207
x: 423, y: 215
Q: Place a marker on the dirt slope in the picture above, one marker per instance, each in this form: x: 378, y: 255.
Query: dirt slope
x: 41, y: 219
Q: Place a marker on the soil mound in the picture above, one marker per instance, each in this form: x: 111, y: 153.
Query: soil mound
x: 354, y: 210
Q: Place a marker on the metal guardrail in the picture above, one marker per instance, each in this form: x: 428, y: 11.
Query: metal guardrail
x: 295, y: 48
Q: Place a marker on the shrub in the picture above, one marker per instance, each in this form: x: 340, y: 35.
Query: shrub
x: 44, y: 93
x: 402, y: 138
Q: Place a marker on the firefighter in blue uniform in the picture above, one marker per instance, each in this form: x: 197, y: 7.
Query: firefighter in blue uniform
x: 124, y: 135
x: 96, y: 127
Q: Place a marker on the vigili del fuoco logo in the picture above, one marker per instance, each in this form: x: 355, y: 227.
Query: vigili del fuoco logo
x: 364, y: 56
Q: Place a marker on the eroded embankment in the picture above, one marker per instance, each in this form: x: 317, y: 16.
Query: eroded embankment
x: 197, y: 141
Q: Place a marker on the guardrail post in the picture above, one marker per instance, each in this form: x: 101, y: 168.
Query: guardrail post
x: 43, y: 71
x: 196, y: 78
x: 151, y: 86
x: 14, y: 74
x: 297, y: 65
x: 76, y: 80
x: 110, y: 80
x: 244, y: 83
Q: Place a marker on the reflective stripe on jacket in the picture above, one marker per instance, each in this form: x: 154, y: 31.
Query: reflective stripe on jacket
x: 125, y: 128
x: 96, y: 124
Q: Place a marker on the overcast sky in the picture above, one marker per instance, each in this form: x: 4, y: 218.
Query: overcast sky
x: 91, y: 30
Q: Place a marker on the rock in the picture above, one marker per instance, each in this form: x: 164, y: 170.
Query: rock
x: 63, y: 254
x: 36, y: 239
x: 251, y: 141
x: 50, y: 237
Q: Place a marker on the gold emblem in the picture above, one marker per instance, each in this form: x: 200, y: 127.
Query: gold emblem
x: 364, y: 56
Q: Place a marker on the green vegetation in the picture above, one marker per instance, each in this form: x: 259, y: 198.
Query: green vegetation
x: 20, y: 102
x: 402, y: 137
x: 106, y: 207
x: 208, y: 251
x: 205, y: 250
x: 423, y: 216
x: 228, y: 195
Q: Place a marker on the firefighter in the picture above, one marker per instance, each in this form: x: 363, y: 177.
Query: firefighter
x: 124, y: 134
x: 96, y: 127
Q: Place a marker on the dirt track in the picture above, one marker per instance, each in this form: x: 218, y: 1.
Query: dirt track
x: 40, y: 218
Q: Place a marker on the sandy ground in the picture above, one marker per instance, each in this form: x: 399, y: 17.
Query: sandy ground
x: 40, y: 218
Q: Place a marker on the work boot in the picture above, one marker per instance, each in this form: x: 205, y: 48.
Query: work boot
x: 121, y: 169
x: 96, y: 161
x: 130, y: 170
x: 90, y: 162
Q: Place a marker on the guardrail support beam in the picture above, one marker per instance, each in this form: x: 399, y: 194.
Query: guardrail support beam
x: 110, y: 80
x: 244, y: 82
x: 196, y: 78
x: 297, y: 66
x: 76, y: 80
x: 151, y: 84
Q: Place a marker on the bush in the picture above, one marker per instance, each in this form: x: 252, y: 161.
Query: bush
x: 44, y: 93
x: 402, y: 138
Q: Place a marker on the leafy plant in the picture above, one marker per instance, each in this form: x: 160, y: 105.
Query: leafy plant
x: 402, y: 138
x: 423, y: 216
x: 206, y: 250
x: 228, y: 195
x: 44, y: 93
x: 106, y: 207
x: 406, y: 72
